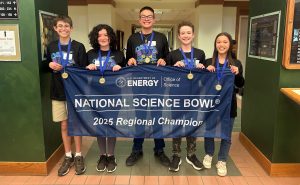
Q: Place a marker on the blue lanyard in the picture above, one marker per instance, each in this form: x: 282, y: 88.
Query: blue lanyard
x: 146, y: 46
x: 220, y: 72
x: 63, y: 61
x: 191, y: 62
x: 103, y: 67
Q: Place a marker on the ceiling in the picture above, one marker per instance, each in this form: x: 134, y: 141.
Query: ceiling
x: 165, y: 10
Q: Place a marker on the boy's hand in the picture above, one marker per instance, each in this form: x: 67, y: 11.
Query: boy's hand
x: 116, y: 68
x: 91, y: 67
x: 131, y: 62
x: 161, y: 62
x: 211, y: 68
x: 200, y: 66
x: 179, y: 64
x: 55, y: 66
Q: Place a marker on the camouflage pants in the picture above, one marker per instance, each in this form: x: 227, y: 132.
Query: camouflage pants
x: 190, y: 145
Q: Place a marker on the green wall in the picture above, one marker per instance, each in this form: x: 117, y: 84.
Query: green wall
x: 269, y: 119
x: 27, y: 133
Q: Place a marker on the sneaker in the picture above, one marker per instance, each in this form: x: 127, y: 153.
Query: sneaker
x: 175, y: 163
x: 101, y: 163
x: 164, y: 160
x: 207, y: 161
x: 65, y: 166
x: 79, y: 165
x: 111, y: 164
x: 221, y: 168
x: 192, y: 160
x: 133, y: 158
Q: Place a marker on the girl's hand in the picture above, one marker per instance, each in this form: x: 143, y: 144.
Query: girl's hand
x: 200, y: 66
x: 91, y: 67
x: 161, y: 62
x: 55, y: 66
x: 131, y: 62
x: 234, y: 69
x: 116, y: 68
x: 179, y: 64
x: 211, y: 68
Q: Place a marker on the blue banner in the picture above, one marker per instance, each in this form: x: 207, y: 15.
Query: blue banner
x: 147, y: 101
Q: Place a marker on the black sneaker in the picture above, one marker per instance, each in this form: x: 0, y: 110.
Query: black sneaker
x: 164, y: 160
x: 111, y: 164
x: 175, y: 163
x: 133, y: 158
x: 79, y: 165
x: 65, y: 166
x: 192, y: 160
x: 101, y: 163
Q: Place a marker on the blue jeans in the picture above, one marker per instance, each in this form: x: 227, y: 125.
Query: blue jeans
x: 209, y: 145
x: 138, y: 145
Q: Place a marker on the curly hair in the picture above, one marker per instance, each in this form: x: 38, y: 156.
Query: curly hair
x: 93, y: 36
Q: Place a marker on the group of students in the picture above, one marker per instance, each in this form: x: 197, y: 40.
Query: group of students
x: 144, y: 47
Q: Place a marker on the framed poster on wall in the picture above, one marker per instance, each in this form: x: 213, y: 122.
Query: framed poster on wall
x: 263, y: 36
x: 291, y: 54
x: 47, y: 31
x: 9, y: 42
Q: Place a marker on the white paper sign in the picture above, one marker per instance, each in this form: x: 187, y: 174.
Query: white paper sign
x: 7, y: 43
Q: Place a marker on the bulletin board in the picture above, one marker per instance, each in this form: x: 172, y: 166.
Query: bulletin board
x: 9, y: 42
x: 291, y: 54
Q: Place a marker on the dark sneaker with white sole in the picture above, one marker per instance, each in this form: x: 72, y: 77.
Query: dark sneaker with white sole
x: 111, y: 164
x: 192, y: 160
x: 101, y: 163
x: 65, y: 166
x: 175, y: 163
x: 79, y: 165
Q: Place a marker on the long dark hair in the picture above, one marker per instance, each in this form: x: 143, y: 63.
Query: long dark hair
x: 93, y: 36
x: 229, y: 52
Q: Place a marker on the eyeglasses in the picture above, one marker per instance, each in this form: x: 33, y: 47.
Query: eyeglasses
x: 144, y: 17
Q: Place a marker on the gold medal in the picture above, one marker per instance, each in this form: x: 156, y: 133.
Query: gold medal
x: 147, y: 60
x: 102, y: 80
x: 218, y: 87
x: 64, y: 75
x: 190, y: 76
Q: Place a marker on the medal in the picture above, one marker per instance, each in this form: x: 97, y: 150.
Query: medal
x: 147, y: 54
x: 102, y: 80
x: 190, y: 76
x: 147, y: 60
x: 103, y: 66
x: 218, y: 87
x: 64, y: 75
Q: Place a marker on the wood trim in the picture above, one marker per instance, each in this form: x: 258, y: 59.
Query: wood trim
x: 288, y: 36
x: 32, y: 168
x: 273, y: 169
x: 290, y: 94
x: 255, y: 152
x: 77, y: 2
x: 240, y: 4
x: 208, y: 2
x: 111, y: 2
x: 86, y: 2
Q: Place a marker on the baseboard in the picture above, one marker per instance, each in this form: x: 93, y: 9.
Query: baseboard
x: 32, y: 168
x: 273, y: 169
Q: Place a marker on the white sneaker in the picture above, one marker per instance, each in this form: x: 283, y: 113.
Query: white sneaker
x: 207, y: 161
x: 221, y: 168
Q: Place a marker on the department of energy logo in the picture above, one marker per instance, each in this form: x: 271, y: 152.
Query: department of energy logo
x: 137, y: 82
x: 121, y: 82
